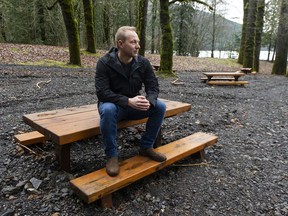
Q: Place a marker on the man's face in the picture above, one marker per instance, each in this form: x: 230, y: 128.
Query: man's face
x: 131, y: 45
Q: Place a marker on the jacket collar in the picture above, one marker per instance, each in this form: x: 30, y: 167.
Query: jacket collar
x: 114, y: 62
x: 113, y: 54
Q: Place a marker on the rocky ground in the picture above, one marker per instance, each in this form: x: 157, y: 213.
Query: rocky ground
x: 246, y: 172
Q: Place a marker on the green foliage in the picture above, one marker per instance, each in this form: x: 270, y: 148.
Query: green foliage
x: 50, y: 63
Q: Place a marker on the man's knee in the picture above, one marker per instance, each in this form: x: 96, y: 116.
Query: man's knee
x: 107, y: 109
x: 161, y: 106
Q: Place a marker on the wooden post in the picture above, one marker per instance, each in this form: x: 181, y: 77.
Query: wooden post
x: 62, y: 153
x: 199, y: 155
x: 106, y: 201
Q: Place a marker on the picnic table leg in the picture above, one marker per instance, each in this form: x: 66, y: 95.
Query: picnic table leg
x: 199, y: 155
x: 63, y: 156
x: 106, y: 201
x: 209, y: 78
x: 236, y: 78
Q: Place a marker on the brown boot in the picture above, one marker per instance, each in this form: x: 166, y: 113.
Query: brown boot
x: 112, y: 166
x: 152, y: 154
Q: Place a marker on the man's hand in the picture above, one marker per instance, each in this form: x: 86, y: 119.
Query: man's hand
x: 139, y: 102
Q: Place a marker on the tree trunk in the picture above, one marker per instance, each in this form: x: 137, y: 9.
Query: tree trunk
x: 141, y: 24
x: 41, y: 21
x: 179, y: 39
x: 106, y: 23
x: 89, y: 25
x: 274, y: 52
x: 243, y: 35
x: 130, y: 12
x: 258, y: 33
x: 2, y: 25
x: 213, y: 29
x: 269, y: 48
x: 72, y: 31
x: 166, y: 53
x: 154, y: 15
x: 280, y: 64
x: 248, y: 57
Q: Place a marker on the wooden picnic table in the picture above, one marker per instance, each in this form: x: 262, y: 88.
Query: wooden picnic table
x: 236, y: 75
x: 65, y: 126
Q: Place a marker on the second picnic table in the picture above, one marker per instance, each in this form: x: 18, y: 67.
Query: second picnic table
x: 224, y: 78
x: 235, y: 75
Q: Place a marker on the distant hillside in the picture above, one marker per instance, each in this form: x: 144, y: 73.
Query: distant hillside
x: 228, y: 33
x: 193, y: 30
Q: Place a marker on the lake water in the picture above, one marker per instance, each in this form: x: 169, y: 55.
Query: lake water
x: 229, y: 54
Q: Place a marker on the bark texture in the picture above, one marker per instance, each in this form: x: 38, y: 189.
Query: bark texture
x: 166, y: 53
x: 72, y: 31
x: 141, y: 24
x: 89, y: 25
x: 280, y: 64
x: 258, y: 33
x: 248, y: 57
x: 243, y: 36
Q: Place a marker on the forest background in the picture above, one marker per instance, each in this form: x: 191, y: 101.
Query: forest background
x: 165, y: 27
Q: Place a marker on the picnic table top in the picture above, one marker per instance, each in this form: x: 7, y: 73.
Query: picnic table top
x: 235, y: 74
x: 68, y: 125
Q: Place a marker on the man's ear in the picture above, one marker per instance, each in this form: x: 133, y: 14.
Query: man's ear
x: 120, y: 43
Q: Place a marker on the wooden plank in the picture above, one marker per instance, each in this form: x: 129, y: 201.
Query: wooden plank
x: 228, y: 82
x: 235, y: 74
x: 69, y: 125
x: 246, y: 70
x: 218, y: 78
x: 61, y: 112
x: 98, y: 184
x: 30, y: 138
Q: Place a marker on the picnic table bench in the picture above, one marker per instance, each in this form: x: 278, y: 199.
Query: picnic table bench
x: 157, y: 68
x: 65, y: 126
x: 224, y: 78
x: 246, y: 70
x: 98, y: 185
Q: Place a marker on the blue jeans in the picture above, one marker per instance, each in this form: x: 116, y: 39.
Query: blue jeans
x: 111, y: 113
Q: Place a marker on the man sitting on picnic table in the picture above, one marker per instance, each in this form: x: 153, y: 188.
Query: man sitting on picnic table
x: 120, y: 75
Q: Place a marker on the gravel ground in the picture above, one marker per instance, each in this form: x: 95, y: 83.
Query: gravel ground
x: 246, y: 172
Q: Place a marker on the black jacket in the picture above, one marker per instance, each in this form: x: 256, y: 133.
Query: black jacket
x: 113, y: 86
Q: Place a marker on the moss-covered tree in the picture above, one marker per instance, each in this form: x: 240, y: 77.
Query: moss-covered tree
x: 166, y: 53
x: 258, y: 33
x: 41, y: 21
x: 89, y: 26
x: 248, y: 56
x: 141, y: 24
x: 280, y: 64
x: 2, y: 27
x: 72, y: 31
x: 181, y: 33
x: 153, y: 22
x: 106, y: 24
x: 243, y: 34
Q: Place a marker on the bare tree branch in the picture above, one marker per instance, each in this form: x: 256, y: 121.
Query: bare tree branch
x: 197, y: 1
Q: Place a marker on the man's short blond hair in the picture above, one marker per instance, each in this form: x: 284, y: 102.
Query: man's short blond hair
x: 120, y: 34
